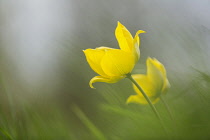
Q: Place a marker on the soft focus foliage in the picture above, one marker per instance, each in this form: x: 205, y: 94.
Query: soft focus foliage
x: 44, y: 76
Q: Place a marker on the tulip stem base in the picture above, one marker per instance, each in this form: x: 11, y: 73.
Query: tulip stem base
x: 148, y: 100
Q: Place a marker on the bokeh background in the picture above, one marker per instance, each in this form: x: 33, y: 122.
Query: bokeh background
x: 44, y: 76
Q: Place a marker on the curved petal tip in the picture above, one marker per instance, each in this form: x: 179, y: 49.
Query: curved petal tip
x: 91, y: 83
x: 141, y: 31
x: 103, y: 79
x: 119, y: 23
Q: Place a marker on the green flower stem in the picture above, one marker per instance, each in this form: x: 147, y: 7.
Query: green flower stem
x: 148, y: 100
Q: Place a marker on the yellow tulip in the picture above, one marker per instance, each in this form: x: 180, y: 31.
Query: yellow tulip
x: 113, y: 64
x: 154, y: 83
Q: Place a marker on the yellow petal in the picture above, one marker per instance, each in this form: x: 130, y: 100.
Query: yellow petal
x: 103, y: 79
x: 155, y: 73
x: 158, y: 65
x: 133, y: 99
x: 139, y: 100
x: 136, y: 38
x: 94, y: 57
x: 151, y: 88
x: 124, y: 37
x: 136, y: 43
x: 154, y: 83
x: 117, y: 62
x: 161, y: 68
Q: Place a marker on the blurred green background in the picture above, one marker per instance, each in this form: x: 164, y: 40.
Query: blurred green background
x: 44, y: 91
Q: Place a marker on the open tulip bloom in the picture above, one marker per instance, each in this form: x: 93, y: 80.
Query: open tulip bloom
x: 154, y: 83
x: 112, y: 64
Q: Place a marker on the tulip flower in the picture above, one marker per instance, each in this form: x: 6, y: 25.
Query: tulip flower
x: 154, y: 83
x: 111, y: 64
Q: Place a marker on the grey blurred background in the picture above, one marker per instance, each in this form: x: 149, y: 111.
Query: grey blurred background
x: 42, y: 64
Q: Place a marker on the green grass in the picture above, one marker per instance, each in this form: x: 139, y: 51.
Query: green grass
x: 111, y: 118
